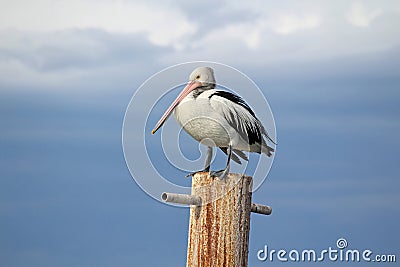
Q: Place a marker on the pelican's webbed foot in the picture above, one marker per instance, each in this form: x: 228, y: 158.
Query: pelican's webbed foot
x: 193, y: 173
x: 221, y: 174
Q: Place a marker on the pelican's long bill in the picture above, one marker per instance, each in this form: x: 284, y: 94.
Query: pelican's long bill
x: 189, y: 87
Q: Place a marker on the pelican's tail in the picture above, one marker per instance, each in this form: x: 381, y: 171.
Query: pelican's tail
x: 235, y: 154
x: 267, y: 150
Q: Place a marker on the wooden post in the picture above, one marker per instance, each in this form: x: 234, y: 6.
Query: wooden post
x: 219, y: 219
x: 219, y: 229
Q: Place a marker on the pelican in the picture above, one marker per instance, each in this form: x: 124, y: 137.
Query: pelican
x: 218, y: 119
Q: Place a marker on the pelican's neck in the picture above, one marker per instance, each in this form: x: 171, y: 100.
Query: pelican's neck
x: 196, y: 92
x: 201, y: 89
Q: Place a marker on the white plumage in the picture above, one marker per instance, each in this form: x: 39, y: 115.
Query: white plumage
x: 221, y: 117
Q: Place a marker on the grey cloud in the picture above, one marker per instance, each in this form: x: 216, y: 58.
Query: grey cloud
x: 75, y: 49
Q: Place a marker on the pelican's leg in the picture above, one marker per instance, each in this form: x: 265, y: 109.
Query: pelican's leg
x: 207, y: 163
x: 221, y: 174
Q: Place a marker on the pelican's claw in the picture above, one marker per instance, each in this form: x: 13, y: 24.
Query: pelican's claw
x: 221, y: 174
x: 193, y: 173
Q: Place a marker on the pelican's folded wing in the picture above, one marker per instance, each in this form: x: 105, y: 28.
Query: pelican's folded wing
x: 239, y: 115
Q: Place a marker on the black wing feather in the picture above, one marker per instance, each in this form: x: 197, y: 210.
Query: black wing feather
x: 253, y: 132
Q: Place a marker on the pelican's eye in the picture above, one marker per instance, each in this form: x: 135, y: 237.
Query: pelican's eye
x: 197, y: 77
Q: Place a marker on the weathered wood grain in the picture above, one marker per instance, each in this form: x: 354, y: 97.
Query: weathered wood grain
x: 219, y: 229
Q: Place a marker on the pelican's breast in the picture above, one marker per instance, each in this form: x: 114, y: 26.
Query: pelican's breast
x: 199, y: 120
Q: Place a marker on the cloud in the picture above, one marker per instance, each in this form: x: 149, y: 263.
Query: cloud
x: 287, y: 24
x: 45, y: 41
x: 162, y: 25
x: 269, y: 34
x: 361, y: 16
x: 73, y: 49
x: 247, y: 33
x: 250, y: 33
x: 70, y: 58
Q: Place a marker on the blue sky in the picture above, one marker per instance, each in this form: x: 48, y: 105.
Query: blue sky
x: 69, y: 68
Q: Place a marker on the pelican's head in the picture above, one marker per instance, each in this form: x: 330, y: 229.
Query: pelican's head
x: 201, y: 78
x: 203, y: 75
